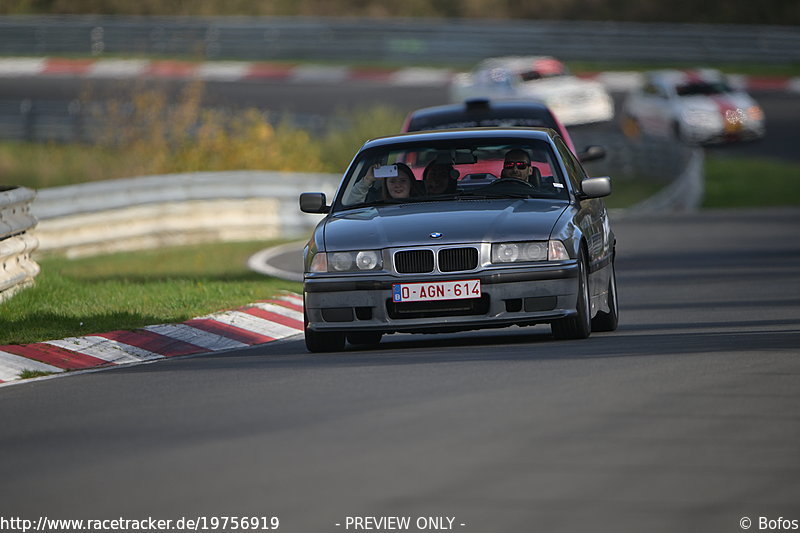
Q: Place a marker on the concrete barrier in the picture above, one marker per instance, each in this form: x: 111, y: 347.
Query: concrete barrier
x: 683, y: 194
x: 17, y: 269
x: 173, y: 209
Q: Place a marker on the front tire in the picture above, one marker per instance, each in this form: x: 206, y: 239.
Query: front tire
x: 608, y: 321
x: 322, y: 341
x: 580, y: 325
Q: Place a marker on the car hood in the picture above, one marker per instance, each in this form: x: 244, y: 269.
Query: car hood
x: 458, y: 222
x: 564, y: 87
x: 718, y: 103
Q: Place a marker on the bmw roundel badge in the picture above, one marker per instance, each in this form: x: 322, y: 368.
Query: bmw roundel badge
x: 436, y: 235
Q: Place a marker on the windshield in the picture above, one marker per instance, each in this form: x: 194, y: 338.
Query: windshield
x: 452, y: 170
x: 702, y: 88
x: 544, y: 68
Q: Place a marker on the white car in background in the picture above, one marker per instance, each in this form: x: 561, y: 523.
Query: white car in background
x: 543, y: 78
x: 693, y: 106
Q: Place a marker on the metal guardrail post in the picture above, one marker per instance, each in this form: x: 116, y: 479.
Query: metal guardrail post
x: 26, y: 108
x: 76, y: 120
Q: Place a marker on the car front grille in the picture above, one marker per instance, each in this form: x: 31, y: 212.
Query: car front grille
x: 413, y: 261
x: 437, y: 309
x: 450, y: 260
x: 455, y: 259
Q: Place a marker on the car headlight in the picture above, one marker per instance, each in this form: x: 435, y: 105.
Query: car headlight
x: 352, y: 261
x: 754, y: 112
x: 522, y: 252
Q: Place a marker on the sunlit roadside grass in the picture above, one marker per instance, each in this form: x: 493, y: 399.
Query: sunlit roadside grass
x: 751, y: 182
x: 730, y: 182
x: 131, y: 290
x: 145, y: 134
x: 626, y: 193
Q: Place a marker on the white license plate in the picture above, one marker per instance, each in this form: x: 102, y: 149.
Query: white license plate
x: 438, y: 290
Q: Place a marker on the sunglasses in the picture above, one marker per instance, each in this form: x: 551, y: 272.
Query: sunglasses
x: 521, y: 165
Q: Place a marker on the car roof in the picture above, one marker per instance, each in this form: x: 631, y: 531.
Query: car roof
x: 678, y: 77
x: 486, y: 110
x: 520, y: 62
x: 479, y: 105
x: 545, y: 134
x: 479, y: 109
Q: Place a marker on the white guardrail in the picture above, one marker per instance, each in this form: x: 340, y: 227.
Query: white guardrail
x: 17, y: 269
x: 685, y: 193
x: 174, y: 209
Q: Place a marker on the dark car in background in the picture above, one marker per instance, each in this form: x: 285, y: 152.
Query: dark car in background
x: 484, y: 113
x: 493, y: 251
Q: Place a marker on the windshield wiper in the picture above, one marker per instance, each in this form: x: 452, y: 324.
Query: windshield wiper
x: 374, y: 203
x: 433, y: 198
x: 485, y: 196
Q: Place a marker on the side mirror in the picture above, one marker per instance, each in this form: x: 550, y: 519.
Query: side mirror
x: 592, y: 153
x: 314, y: 202
x: 595, y: 187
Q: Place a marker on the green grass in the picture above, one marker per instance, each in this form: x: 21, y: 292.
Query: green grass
x: 41, y: 165
x: 248, y: 142
x: 29, y: 374
x: 751, y: 182
x: 626, y: 193
x: 131, y: 290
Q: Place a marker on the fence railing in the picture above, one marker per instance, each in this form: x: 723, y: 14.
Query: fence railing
x: 174, y: 209
x: 17, y: 269
x: 430, y: 41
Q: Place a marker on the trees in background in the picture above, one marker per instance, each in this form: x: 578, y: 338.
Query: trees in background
x: 780, y: 12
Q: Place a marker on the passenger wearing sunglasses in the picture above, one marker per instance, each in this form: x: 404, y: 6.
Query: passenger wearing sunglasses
x: 517, y: 164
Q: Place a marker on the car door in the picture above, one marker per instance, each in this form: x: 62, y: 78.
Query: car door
x: 654, y: 110
x: 592, y: 218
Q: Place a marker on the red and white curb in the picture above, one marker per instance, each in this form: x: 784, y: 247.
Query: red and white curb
x: 231, y: 71
x: 256, y: 323
x: 234, y: 71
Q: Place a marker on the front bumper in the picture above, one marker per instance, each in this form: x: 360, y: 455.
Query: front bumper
x: 724, y: 133
x: 520, y: 295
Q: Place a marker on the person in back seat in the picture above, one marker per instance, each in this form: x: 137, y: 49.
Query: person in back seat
x: 439, y: 178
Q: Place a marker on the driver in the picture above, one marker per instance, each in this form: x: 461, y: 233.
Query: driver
x: 517, y: 164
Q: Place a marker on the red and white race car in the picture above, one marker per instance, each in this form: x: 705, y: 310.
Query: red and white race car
x: 543, y: 78
x: 693, y: 106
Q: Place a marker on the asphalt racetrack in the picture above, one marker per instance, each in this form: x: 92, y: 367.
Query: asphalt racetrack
x: 312, y: 103
x: 685, y: 419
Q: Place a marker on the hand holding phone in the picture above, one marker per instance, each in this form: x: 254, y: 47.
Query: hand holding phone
x: 386, y: 171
